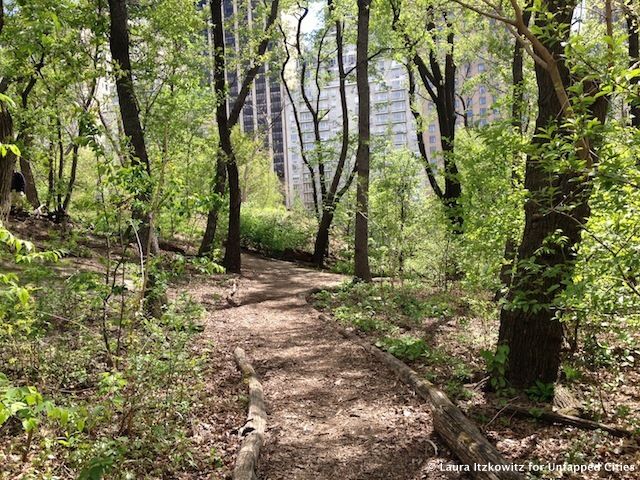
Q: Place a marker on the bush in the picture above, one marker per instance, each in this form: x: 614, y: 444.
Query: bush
x: 273, y: 231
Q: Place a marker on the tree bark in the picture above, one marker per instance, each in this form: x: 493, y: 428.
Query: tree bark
x: 361, y: 258
x: 232, y: 258
x: 7, y: 161
x: 130, y: 114
x: 634, y: 58
x: 220, y: 183
x: 222, y: 121
x: 530, y: 326
x: 253, y: 431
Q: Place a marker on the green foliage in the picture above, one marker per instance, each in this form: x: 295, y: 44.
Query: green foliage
x: 275, y: 230
x: 405, y: 347
x: 541, y: 392
x: 497, y: 366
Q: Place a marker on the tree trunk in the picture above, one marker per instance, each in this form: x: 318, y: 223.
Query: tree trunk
x: 232, y: 259
x: 362, y: 270
x: 31, y: 190
x: 321, y: 244
x: 222, y: 121
x: 529, y: 326
x: 7, y: 162
x: 220, y: 182
x: 72, y: 179
x: 634, y: 58
x: 119, y: 45
x: 226, y: 121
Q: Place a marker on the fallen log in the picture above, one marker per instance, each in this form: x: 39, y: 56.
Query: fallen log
x: 555, y: 417
x: 462, y: 437
x: 253, y: 430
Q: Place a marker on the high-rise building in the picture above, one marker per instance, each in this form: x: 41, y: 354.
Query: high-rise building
x: 391, y: 122
x: 262, y: 113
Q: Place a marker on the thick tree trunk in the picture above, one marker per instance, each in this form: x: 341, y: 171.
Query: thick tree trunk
x: 361, y: 258
x: 7, y: 161
x: 529, y: 326
x: 446, y: 108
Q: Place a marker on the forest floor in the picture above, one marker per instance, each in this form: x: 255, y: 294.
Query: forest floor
x: 334, y: 411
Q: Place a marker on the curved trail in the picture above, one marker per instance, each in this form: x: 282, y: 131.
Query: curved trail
x: 334, y: 411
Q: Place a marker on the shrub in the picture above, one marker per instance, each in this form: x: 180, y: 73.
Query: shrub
x: 273, y: 231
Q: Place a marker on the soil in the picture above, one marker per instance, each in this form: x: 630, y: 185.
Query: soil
x: 334, y: 411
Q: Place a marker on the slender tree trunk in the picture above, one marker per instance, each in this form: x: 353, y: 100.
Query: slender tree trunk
x: 232, y: 258
x: 530, y: 327
x: 119, y: 44
x: 7, y: 162
x: 51, y: 177
x: 634, y: 58
x: 220, y: 182
x: 72, y: 179
x: 361, y: 258
x: 61, y: 161
x: 222, y: 121
x: 333, y: 197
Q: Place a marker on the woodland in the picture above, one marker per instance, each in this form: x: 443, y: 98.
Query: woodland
x: 170, y: 310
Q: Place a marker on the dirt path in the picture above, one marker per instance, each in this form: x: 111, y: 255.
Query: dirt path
x: 334, y: 412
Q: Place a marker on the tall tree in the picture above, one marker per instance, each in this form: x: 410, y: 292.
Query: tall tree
x: 7, y: 156
x: 226, y: 121
x: 315, y: 158
x: 559, y: 182
x: 361, y: 258
x: 632, y: 14
x: 130, y: 114
x: 438, y: 78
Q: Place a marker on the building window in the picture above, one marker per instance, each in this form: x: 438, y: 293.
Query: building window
x: 483, y: 100
x: 432, y: 139
x: 432, y: 128
x: 398, y: 106
x: 481, y: 67
x: 398, y: 117
x: 380, y: 97
x: 482, y: 89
